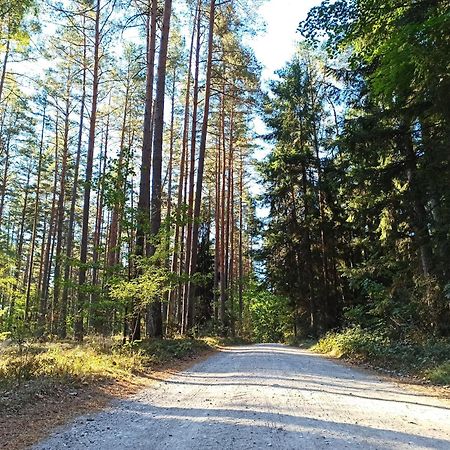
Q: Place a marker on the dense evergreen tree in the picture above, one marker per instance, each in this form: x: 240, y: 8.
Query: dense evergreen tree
x: 364, y: 217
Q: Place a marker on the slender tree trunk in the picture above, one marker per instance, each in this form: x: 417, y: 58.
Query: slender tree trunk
x: 113, y: 239
x: 98, y: 234
x: 4, y: 178
x: 201, y: 165
x: 308, y: 255
x: 228, y: 226
x: 232, y: 246
x: 178, y: 240
x: 5, y: 62
x: 189, y: 226
x: 241, y: 226
x: 223, y: 290
x: 155, y: 319
x: 167, y: 307
x: 217, y: 225
x: 419, y: 214
x: 61, y: 210
x: 82, y: 276
x: 35, y: 218
x: 20, y: 239
x: 42, y: 253
x: 62, y: 325
x: 48, y: 252
x: 142, y: 229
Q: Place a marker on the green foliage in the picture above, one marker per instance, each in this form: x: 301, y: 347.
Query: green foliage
x: 163, y: 350
x: 270, y: 316
x: 390, y: 177
x: 147, y: 287
x: 12, y: 15
x: 429, y: 358
x: 440, y: 374
x: 296, y: 113
x: 353, y: 342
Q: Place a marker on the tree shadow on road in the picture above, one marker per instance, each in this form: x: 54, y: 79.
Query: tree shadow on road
x: 141, y: 426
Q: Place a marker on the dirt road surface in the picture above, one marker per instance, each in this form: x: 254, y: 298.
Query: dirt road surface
x: 265, y: 397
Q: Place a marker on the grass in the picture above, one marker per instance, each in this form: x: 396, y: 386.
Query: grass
x: 440, y: 374
x: 95, y: 359
x: 427, y: 359
x: 65, y: 379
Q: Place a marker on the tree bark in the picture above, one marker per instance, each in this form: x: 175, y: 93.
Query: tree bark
x: 35, y: 218
x: 5, y: 62
x: 201, y: 165
x: 179, y: 229
x: 188, y: 247
x: 60, y: 209
x: 143, y: 217
x: 155, y: 319
x: 419, y: 214
x: 62, y: 325
x: 48, y: 253
x: 82, y: 277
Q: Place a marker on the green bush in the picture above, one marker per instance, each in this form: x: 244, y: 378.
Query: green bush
x: 428, y: 358
x: 270, y: 317
x: 440, y: 374
x: 353, y: 342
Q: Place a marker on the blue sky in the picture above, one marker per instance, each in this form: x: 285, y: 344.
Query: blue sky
x: 274, y: 48
x: 276, y: 45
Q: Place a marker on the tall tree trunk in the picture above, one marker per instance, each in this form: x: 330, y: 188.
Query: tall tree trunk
x: 190, y: 212
x: 231, y: 231
x: 35, y: 217
x: 143, y: 216
x: 218, y: 180
x: 20, y: 239
x: 61, y: 210
x: 167, y: 307
x: 5, y: 178
x: 98, y: 232
x: 241, y: 226
x: 48, y: 252
x: 113, y: 239
x: 419, y: 216
x: 228, y: 225
x: 155, y: 317
x: 201, y: 165
x: 330, y: 307
x: 178, y: 240
x: 222, y: 268
x: 308, y: 254
x: 5, y: 62
x: 62, y: 325
x: 82, y: 277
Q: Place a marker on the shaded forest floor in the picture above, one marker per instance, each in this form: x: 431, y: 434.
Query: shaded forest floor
x: 43, y: 386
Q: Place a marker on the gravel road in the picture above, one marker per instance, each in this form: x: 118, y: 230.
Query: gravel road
x: 265, y: 396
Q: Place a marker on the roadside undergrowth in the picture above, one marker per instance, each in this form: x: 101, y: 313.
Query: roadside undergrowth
x: 427, y: 360
x: 43, y: 385
x: 31, y: 371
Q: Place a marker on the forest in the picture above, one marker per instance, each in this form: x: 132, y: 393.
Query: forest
x: 128, y: 167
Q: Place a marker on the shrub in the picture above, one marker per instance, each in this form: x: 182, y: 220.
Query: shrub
x: 429, y: 358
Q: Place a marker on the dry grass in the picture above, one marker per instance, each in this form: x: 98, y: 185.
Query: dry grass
x: 45, y: 385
